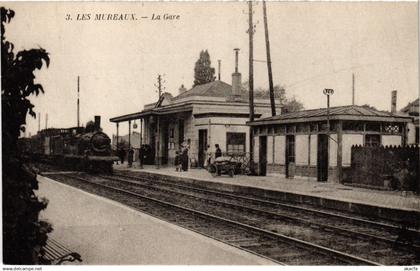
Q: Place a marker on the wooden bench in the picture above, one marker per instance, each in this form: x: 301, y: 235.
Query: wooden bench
x: 56, y: 253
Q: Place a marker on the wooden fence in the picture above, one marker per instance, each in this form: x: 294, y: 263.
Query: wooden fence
x: 389, y: 167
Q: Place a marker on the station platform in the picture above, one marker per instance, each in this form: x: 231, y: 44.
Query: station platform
x: 105, y: 232
x: 386, y: 204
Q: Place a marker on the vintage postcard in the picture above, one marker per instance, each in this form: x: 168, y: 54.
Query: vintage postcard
x: 210, y: 133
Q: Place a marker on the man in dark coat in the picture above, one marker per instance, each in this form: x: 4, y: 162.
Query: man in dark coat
x: 130, y: 157
x: 218, y: 152
x: 177, y: 162
x: 122, y: 155
x: 141, y: 156
x: 184, y: 159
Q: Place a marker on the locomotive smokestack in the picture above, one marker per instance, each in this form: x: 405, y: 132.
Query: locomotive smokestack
x: 97, y: 123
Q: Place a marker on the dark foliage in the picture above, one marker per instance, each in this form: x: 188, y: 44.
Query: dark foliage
x: 203, y: 72
x: 292, y: 105
x: 23, y: 233
x: 262, y: 93
x: 288, y: 104
x: 369, y: 107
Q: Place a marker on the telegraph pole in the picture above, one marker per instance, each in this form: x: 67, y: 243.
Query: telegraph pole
x: 251, y: 88
x: 328, y: 92
x: 159, y: 85
x: 46, y: 120
x: 78, y: 102
x: 352, y: 86
x: 270, y: 74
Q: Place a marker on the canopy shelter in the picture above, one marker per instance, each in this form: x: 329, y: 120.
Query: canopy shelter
x: 151, y: 123
x: 317, y: 142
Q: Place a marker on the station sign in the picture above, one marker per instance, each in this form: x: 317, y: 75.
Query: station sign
x: 328, y: 91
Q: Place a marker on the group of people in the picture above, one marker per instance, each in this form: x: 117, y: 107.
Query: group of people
x: 181, y: 158
x: 122, y: 153
x: 217, y: 153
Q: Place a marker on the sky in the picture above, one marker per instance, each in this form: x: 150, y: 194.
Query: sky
x: 314, y: 45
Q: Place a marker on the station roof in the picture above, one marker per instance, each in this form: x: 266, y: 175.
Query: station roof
x: 350, y: 112
x: 216, y: 92
x: 213, y: 89
x: 412, y: 107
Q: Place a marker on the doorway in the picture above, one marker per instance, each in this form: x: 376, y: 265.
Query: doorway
x: 322, y: 158
x: 290, y: 155
x: 180, y: 131
x: 202, y: 146
x: 263, y: 156
x: 165, y: 143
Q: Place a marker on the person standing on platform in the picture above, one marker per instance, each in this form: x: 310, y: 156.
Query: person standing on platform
x: 177, y: 161
x: 121, y: 154
x: 116, y: 152
x: 141, y: 156
x: 218, y: 152
x: 184, y: 158
x: 207, y: 157
x: 130, y: 157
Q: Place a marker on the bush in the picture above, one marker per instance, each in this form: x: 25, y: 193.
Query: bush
x: 24, y: 234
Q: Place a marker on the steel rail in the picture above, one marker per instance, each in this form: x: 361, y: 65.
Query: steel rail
x: 276, y: 204
x: 344, y: 257
x: 337, y: 230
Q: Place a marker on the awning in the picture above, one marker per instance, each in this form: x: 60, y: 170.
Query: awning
x: 160, y: 111
x: 324, y: 118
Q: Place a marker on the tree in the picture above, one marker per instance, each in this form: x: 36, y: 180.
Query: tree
x: 262, y: 93
x: 368, y: 106
x: 203, y: 72
x: 279, y: 93
x: 23, y: 233
x: 288, y: 104
x: 292, y: 105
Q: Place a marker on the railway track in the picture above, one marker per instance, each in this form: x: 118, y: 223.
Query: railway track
x: 350, y: 224
x: 276, y: 247
x: 255, y: 226
x: 344, y: 233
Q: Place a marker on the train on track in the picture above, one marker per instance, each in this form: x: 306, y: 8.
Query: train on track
x: 77, y: 148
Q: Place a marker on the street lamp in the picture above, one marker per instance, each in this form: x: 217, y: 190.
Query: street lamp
x: 328, y: 92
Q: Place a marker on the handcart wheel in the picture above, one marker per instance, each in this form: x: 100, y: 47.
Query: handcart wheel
x: 213, y: 170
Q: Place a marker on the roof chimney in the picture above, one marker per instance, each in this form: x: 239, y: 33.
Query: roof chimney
x: 220, y: 66
x: 393, y: 101
x: 236, y: 77
x: 182, y: 89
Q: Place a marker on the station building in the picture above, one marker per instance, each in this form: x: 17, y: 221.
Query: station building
x: 412, y: 109
x: 299, y: 143
x: 208, y: 114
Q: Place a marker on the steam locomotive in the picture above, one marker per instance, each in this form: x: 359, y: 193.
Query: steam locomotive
x: 77, y: 148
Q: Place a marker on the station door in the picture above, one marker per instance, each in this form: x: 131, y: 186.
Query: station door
x: 202, y: 146
x: 263, y: 156
x: 290, y: 155
x: 322, y: 158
